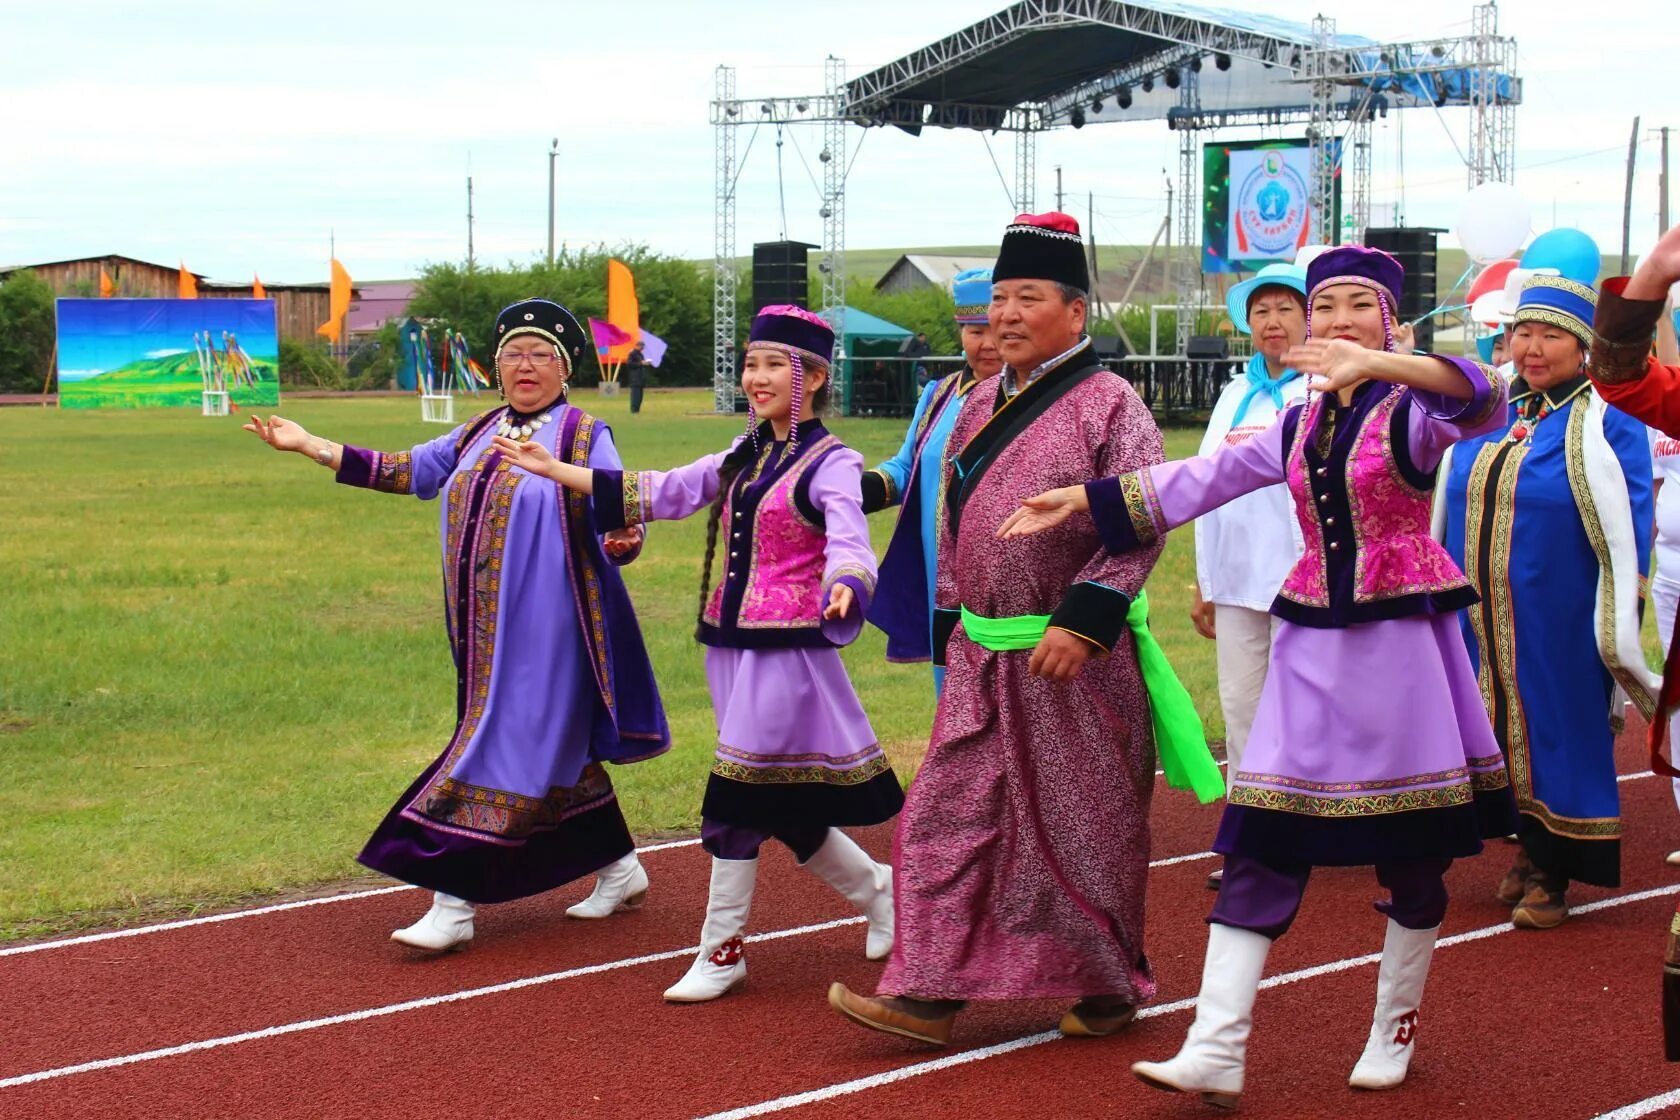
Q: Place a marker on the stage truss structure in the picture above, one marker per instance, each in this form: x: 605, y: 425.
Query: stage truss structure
x: 1334, y: 84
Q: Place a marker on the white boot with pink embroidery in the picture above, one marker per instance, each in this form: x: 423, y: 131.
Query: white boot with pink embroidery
x: 721, y: 966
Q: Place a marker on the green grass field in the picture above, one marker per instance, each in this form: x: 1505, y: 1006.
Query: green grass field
x: 168, y: 382
x: 219, y: 668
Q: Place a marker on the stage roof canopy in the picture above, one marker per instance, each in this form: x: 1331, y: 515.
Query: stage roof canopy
x: 1047, y: 63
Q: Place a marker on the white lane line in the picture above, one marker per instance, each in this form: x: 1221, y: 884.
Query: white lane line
x: 281, y: 907
x: 452, y: 997
x: 277, y: 908
x: 1643, y: 1108
x: 398, y: 1008
x: 919, y: 1069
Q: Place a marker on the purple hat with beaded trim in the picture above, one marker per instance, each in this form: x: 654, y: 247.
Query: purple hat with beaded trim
x: 783, y: 326
x: 1355, y: 264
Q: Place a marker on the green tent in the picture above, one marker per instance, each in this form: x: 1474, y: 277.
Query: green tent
x: 870, y: 336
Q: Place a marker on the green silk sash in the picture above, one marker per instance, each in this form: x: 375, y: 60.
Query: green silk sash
x: 1179, y: 739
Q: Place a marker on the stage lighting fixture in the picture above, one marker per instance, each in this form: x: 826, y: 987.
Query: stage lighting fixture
x: 732, y: 110
x: 1077, y: 117
x: 1196, y: 64
x: 1172, y: 78
x: 1149, y: 83
x: 1096, y: 105
x: 802, y: 106
x: 825, y: 155
x: 765, y: 108
x: 1295, y: 59
x: 1123, y: 98
x: 1222, y: 60
x: 825, y: 213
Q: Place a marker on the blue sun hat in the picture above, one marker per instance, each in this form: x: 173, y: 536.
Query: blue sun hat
x: 1290, y: 276
x: 1558, y: 301
x: 971, y: 289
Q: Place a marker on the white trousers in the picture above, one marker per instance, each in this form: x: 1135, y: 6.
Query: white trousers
x: 1665, y: 594
x: 1243, y: 648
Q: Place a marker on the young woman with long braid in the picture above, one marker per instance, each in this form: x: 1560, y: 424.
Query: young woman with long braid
x: 796, y: 757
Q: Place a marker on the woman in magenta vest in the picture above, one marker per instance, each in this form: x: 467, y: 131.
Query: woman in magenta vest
x: 1370, y: 745
x: 796, y: 758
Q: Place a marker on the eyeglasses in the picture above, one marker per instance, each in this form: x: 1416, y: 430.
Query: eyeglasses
x: 539, y: 360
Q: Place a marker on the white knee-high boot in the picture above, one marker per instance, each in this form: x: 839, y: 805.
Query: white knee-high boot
x: 447, y: 925
x: 1211, y: 1060
x: 1400, y: 979
x: 865, y: 884
x: 620, y: 885
x: 721, y: 965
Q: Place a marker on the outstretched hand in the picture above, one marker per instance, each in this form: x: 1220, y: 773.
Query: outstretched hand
x: 1658, y: 269
x: 840, y: 600
x: 1334, y: 364
x: 278, y: 432
x: 530, y: 455
x: 1044, y: 511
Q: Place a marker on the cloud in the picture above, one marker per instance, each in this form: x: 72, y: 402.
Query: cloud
x: 167, y: 352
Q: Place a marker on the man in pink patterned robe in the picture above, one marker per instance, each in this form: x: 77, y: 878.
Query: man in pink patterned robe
x: 1022, y: 852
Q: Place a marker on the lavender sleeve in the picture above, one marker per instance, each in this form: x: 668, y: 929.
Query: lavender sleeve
x: 1135, y: 509
x: 420, y: 471
x: 848, y: 557
x: 1437, y: 422
x: 624, y: 498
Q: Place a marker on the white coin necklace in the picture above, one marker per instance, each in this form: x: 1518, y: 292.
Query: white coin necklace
x: 522, y: 430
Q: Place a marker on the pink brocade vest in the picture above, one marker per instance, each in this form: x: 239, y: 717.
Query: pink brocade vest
x: 776, y: 552
x: 1364, y: 517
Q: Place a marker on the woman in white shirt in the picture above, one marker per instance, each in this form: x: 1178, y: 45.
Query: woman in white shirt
x: 1245, y: 548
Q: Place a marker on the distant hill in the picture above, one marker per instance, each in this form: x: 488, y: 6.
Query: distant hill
x: 1116, y: 264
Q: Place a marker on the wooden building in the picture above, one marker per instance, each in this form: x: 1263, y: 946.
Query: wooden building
x: 298, y: 308
x: 134, y: 279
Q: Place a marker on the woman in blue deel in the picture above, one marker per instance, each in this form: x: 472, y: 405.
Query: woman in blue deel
x: 903, y: 603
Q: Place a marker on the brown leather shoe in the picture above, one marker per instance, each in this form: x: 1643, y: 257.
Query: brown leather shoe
x: 1096, y: 1017
x: 877, y: 1015
x: 1514, y: 886
x: 1543, y: 907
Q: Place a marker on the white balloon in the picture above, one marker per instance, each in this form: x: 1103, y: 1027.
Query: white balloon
x: 1305, y: 254
x: 1493, y: 222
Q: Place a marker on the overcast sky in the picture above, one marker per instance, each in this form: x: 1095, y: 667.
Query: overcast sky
x: 238, y: 137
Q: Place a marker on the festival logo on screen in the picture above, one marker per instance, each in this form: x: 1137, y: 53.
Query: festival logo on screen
x: 1268, y: 206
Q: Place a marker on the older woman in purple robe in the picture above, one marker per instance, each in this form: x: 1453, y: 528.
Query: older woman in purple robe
x: 552, y: 678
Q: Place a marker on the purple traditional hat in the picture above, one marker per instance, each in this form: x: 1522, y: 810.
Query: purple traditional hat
x: 803, y: 336
x: 1355, y: 264
x: 783, y: 326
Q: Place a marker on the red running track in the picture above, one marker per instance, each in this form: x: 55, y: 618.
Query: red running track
x: 313, y: 1012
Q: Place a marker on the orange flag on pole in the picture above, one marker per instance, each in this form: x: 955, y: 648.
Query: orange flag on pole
x: 257, y: 290
x: 623, y: 311
x: 106, y: 288
x: 338, y: 304
x: 186, y: 285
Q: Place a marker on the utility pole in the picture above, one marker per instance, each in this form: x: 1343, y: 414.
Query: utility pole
x: 1059, y: 189
x: 1627, y: 198
x: 554, y: 150
x: 469, y: 225
x: 1662, y: 186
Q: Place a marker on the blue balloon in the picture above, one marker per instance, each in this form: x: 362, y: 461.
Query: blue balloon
x: 1571, y: 252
